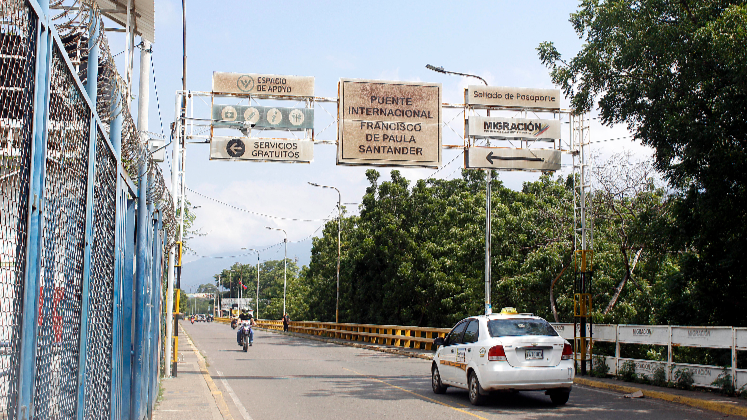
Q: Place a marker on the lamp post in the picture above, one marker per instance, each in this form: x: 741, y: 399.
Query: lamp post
x: 256, y: 305
x: 339, y: 218
x: 488, y: 306
x: 285, y: 263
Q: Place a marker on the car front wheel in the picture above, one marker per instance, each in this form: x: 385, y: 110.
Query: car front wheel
x: 474, y: 390
x: 438, y: 387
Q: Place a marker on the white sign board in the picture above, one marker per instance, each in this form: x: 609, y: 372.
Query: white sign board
x: 262, y: 84
x: 713, y: 337
x: 512, y: 159
x: 201, y: 295
x: 263, y: 150
x: 643, y: 334
x: 513, y: 128
x: 389, y: 123
x: 227, y: 303
x: 513, y: 97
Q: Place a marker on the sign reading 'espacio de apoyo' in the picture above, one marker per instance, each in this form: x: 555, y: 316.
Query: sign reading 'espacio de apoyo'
x: 263, y: 84
x: 389, y: 123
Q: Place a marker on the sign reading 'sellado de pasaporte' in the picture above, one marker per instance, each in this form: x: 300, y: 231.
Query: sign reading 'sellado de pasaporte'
x: 389, y: 123
x: 263, y: 84
x: 513, y: 97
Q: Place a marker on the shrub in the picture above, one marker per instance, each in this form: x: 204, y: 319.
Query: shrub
x: 683, y: 379
x: 659, y: 377
x: 599, y: 368
x: 724, y: 384
x: 627, y: 371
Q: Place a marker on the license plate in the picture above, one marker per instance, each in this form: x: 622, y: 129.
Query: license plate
x: 533, y: 354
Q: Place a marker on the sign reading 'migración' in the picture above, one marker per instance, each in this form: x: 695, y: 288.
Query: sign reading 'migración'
x: 513, y: 128
x: 513, y: 97
x: 389, y: 123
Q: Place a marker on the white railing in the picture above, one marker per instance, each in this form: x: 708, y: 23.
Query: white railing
x: 732, y: 338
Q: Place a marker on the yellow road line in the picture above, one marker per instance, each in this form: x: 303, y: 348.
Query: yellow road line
x: 718, y: 406
x: 418, y: 395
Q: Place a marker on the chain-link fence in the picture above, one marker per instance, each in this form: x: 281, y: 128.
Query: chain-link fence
x: 67, y: 219
x: 17, y: 63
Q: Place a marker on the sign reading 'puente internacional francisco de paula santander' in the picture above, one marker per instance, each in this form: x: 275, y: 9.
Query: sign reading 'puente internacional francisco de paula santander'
x: 389, y: 123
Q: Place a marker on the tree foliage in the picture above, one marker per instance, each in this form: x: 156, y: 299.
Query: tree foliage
x: 415, y: 255
x: 676, y: 73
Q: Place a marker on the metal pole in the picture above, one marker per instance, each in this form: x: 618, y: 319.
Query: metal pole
x: 256, y: 315
x: 339, y: 221
x: 170, y: 323
x: 285, y: 271
x: 488, y: 305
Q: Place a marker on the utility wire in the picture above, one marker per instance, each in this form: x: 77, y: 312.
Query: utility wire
x: 254, y: 212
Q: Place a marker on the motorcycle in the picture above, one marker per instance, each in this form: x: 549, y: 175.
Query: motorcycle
x: 246, y: 336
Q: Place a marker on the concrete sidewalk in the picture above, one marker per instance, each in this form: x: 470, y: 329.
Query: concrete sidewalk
x: 192, y: 395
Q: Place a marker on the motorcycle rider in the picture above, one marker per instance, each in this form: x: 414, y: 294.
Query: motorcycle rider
x: 246, y: 325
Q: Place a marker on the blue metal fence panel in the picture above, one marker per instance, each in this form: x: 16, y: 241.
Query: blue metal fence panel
x: 63, y: 243
x: 101, y: 290
x: 17, y: 71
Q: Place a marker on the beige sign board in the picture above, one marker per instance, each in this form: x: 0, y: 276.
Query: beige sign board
x: 263, y: 84
x: 513, y: 128
x: 389, y: 123
x: 261, y: 149
x: 513, y: 97
x: 512, y: 159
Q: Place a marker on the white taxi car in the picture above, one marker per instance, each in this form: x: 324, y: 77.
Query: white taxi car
x: 505, y: 351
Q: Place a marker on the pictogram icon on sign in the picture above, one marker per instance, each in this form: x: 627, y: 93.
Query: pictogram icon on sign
x: 245, y: 83
x: 296, y: 117
x: 274, y: 116
x: 235, y: 148
x: 228, y: 113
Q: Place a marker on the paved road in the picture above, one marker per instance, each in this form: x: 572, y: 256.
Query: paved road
x: 283, y: 377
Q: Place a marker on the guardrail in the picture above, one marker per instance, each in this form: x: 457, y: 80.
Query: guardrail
x: 671, y: 336
x: 392, y: 335
x: 731, y: 338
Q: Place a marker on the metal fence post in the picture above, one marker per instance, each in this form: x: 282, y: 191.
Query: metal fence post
x: 669, y: 355
x: 141, y: 270
x: 127, y: 325
x: 27, y: 365
x: 85, y: 288
x: 92, y: 91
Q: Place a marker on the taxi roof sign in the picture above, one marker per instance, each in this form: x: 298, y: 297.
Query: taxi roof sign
x: 508, y: 310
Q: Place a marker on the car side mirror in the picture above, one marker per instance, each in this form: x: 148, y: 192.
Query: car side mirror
x: 438, y: 342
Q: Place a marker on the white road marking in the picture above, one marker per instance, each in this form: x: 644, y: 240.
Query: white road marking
x: 235, y: 399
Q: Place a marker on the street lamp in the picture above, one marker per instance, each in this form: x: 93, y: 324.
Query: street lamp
x: 339, y: 217
x: 488, y: 306
x: 256, y: 306
x: 285, y: 263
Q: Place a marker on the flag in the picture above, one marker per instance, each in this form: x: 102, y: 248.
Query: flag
x: 242, y: 285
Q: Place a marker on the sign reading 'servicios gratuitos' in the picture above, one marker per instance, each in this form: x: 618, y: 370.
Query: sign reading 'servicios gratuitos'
x: 513, y: 97
x: 263, y: 84
x: 275, y: 150
x: 389, y: 123
x: 513, y: 128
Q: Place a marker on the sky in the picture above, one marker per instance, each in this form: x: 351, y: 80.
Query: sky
x: 384, y: 40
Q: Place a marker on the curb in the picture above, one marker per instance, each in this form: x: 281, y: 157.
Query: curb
x: 692, y: 402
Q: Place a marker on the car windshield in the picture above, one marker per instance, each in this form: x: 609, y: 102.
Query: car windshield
x: 520, y: 326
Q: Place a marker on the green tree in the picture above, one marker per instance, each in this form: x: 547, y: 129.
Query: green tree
x: 674, y: 71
